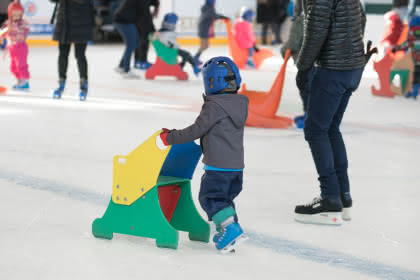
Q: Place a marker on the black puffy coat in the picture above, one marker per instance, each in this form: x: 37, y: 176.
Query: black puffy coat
x: 129, y: 11
x: 75, y: 21
x: 333, y: 35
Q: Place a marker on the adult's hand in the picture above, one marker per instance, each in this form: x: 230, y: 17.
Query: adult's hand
x: 370, y: 51
x: 302, y: 79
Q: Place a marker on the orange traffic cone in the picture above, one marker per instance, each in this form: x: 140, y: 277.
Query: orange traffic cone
x: 3, y: 90
x: 239, y: 55
x: 263, y: 106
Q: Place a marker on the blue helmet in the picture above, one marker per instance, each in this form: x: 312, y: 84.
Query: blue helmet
x: 415, y: 21
x: 210, y: 2
x: 169, y: 21
x: 248, y: 15
x: 221, y: 75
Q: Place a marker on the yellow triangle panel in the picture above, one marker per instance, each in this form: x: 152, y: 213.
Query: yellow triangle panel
x: 138, y: 172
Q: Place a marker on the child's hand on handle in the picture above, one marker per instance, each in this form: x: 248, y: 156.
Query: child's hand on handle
x: 163, y: 135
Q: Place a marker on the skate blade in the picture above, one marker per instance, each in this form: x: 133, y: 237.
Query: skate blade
x: 328, y: 218
x: 346, y: 214
x: 231, y: 247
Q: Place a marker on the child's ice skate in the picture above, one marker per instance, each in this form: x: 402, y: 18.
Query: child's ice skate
x: 3, y: 44
x: 59, y: 91
x: 250, y: 64
x: 196, y: 70
x: 142, y: 65
x: 414, y: 93
x: 231, y: 236
x: 300, y: 121
x: 83, y: 90
x: 22, y: 86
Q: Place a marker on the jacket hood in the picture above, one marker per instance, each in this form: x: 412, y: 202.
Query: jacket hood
x: 235, y: 106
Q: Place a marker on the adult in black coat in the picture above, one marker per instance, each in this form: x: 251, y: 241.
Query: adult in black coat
x: 74, y: 25
x: 272, y: 14
x: 333, y: 50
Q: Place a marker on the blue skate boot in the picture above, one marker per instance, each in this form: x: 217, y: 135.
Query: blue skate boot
x: 196, y: 70
x: 3, y: 44
x: 218, y: 235
x: 142, y: 65
x: 232, y: 236
x: 59, y: 91
x: 250, y: 63
x: 22, y: 86
x: 414, y: 92
x: 300, y: 121
x: 83, y: 90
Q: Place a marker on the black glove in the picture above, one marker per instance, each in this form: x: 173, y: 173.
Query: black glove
x: 370, y: 51
x: 256, y: 48
x: 302, y: 80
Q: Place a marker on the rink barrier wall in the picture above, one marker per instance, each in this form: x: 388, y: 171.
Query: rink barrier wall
x: 184, y: 41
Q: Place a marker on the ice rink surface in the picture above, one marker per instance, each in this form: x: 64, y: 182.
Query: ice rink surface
x: 56, y: 175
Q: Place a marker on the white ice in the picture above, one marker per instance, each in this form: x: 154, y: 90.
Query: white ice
x: 56, y: 171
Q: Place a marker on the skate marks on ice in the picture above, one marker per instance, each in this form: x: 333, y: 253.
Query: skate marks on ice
x: 72, y: 102
x: 275, y: 244
x: 54, y: 187
x: 335, y: 259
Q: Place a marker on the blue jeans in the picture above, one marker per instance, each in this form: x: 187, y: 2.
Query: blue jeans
x: 329, y: 95
x: 131, y: 39
x: 218, y: 190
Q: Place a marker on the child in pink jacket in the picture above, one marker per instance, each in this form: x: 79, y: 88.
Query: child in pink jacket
x: 17, y: 32
x: 244, y: 33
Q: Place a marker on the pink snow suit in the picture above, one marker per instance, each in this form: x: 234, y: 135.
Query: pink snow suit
x: 244, y: 34
x: 17, y: 34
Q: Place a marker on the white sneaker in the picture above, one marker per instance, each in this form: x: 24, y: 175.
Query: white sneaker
x: 130, y: 75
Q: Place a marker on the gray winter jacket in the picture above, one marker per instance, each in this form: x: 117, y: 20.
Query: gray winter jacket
x: 220, y: 127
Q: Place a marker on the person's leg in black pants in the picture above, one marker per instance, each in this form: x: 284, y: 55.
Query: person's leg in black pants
x: 80, y: 54
x: 142, y: 50
x: 264, y: 32
x: 63, y: 60
x: 186, y: 57
x: 328, y: 99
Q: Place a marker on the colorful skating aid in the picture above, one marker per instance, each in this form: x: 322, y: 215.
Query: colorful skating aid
x: 240, y: 56
x: 151, y: 195
x: 263, y: 106
x: 383, y: 67
x: 166, y: 63
x: 404, y: 69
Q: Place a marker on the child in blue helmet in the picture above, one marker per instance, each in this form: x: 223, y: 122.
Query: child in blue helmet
x: 205, y: 26
x: 244, y: 34
x: 167, y: 36
x: 413, y: 44
x: 220, y: 128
